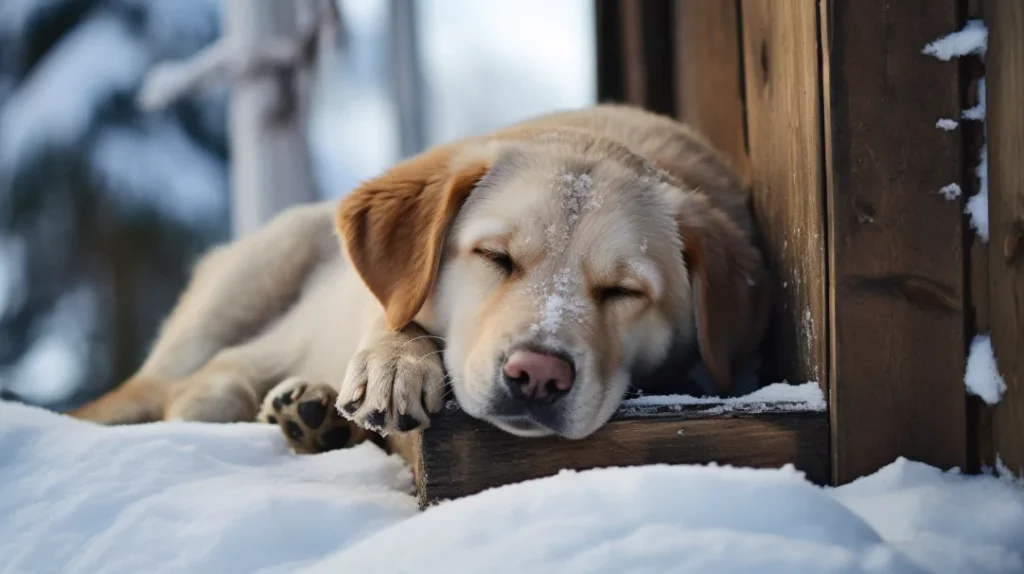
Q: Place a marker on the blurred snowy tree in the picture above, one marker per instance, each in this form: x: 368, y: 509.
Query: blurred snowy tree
x: 103, y: 207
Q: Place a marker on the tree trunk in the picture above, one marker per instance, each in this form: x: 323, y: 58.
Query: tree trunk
x: 271, y: 167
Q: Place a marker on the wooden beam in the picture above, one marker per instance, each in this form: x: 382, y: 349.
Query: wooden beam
x: 635, y: 56
x: 657, y: 37
x: 1004, y: 82
x: 610, y: 75
x: 780, y: 47
x: 634, y: 65
x: 709, y: 75
x: 896, y: 248
x: 459, y: 456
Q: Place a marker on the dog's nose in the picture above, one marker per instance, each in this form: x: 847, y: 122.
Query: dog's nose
x: 538, y: 376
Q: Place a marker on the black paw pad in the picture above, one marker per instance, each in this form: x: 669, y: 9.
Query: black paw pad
x: 293, y: 430
x: 407, y: 422
x: 376, y: 419
x: 335, y: 438
x: 352, y: 407
x: 272, y: 420
x: 312, y: 413
x: 286, y: 398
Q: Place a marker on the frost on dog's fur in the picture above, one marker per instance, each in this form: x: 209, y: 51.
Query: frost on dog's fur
x: 558, y: 296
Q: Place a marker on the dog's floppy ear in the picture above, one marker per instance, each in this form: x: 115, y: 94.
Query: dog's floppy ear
x: 393, y: 227
x: 730, y: 286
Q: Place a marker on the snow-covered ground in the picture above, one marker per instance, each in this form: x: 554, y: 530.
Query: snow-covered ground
x: 187, y: 497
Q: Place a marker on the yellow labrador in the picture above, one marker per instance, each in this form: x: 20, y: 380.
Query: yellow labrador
x: 551, y: 261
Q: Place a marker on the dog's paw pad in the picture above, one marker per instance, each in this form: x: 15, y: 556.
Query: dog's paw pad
x: 305, y: 414
x: 407, y: 423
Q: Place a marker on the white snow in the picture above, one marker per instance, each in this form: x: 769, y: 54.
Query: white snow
x: 778, y: 396
x: 58, y: 102
x: 577, y: 196
x: 951, y: 191
x: 560, y: 302
x: 181, y: 497
x: 947, y: 124
x: 982, y: 377
x: 188, y: 497
x: 977, y: 204
x: 978, y: 111
x: 972, y: 39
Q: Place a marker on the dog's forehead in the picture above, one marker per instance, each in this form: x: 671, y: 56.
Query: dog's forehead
x: 554, y: 198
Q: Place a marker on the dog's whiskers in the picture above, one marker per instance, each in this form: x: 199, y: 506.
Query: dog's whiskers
x: 430, y: 354
x: 419, y: 337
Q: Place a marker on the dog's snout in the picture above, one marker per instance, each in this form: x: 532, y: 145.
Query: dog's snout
x: 538, y: 376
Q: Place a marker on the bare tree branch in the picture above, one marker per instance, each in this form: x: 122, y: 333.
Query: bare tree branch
x: 223, y: 62
x: 170, y: 81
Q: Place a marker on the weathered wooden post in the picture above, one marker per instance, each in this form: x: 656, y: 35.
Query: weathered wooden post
x: 1004, y: 73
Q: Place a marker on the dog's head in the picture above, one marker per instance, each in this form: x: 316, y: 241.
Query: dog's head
x: 555, y: 266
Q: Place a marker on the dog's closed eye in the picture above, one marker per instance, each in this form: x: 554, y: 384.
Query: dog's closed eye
x: 616, y: 293
x: 499, y: 259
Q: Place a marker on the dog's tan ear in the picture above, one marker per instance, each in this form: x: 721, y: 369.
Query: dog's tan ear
x: 393, y: 227
x: 730, y: 286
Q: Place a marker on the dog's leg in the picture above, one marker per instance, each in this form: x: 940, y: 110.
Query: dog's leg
x: 394, y: 381
x: 136, y: 401
x: 241, y: 287
x: 236, y: 290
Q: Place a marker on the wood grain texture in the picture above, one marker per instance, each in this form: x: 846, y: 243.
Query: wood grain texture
x: 608, y: 37
x: 634, y: 65
x: 709, y: 72
x: 896, y: 248
x: 1004, y: 81
x: 780, y: 45
x: 459, y: 456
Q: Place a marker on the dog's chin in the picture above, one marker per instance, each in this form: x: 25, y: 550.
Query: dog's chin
x: 523, y: 427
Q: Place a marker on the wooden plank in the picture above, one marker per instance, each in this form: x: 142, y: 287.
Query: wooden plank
x: 610, y: 75
x: 709, y: 87
x: 459, y: 456
x: 634, y: 66
x: 780, y: 45
x: 896, y: 249
x: 635, y: 53
x: 657, y: 22
x: 1004, y: 82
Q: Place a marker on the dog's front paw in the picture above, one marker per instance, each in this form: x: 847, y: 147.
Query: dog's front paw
x: 394, y: 384
x: 307, y: 417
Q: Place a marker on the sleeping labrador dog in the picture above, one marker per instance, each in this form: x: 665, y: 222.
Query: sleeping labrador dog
x: 533, y: 271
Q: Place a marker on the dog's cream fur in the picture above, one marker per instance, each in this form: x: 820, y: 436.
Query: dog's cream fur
x: 608, y: 234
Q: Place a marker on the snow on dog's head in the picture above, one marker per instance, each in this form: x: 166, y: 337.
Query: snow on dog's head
x: 553, y: 266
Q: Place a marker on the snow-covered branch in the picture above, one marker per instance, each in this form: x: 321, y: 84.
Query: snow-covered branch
x: 169, y: 81
x: 229, y: 61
